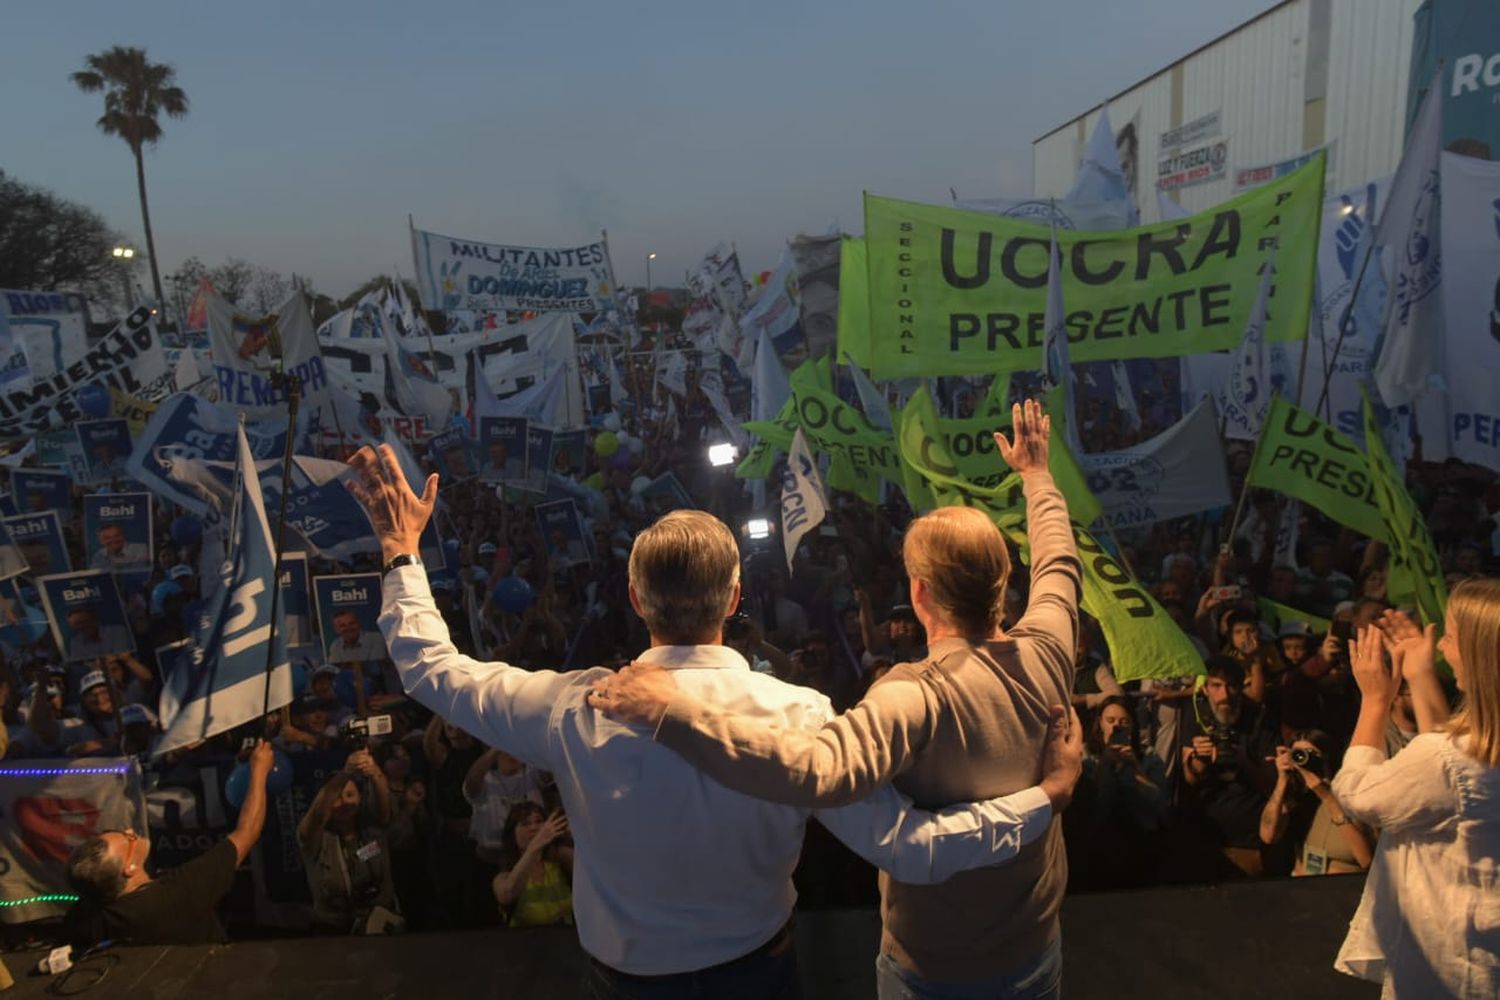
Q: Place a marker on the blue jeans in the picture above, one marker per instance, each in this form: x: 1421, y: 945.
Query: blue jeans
x: 764, y: 976
x: 1041, y: 980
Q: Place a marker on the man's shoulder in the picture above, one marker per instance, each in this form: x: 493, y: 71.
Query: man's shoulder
x: 747, y: 692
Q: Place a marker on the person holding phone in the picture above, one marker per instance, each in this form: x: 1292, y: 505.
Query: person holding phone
x: 1114, y: 825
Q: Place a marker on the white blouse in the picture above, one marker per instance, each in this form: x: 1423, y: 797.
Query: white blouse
x: 1429, y: 922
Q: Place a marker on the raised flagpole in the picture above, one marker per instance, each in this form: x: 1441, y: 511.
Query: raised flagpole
x: 293, y: 395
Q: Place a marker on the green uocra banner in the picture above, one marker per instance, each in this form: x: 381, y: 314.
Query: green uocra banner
x: 954, y: 292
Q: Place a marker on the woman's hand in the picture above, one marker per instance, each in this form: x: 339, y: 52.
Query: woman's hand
x: 1413, y: 648
x: 1377, y: 684
x: 1032, y: 429
x: 556, y: 826
x: 639, y: 693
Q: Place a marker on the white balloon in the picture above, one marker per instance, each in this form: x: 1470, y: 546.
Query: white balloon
x: 639, y: 485
x: 612, y: 422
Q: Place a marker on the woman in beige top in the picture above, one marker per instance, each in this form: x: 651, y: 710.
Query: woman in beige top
x: 965, y: 724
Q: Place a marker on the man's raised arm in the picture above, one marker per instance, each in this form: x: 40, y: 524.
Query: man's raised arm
x: 501, y: 705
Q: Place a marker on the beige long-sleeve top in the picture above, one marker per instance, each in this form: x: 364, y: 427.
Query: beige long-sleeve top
x: 967, y: 723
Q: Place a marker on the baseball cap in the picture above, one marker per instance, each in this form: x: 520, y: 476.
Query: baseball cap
x: 488, y: 548
x: 136, y: 714
x: 326, y: 668
x: 437, y: 583
x: 1294, y: 628
x: 161, y: 593
x: 179, y: 571
x: 903, y: 611
x: 92, y: 679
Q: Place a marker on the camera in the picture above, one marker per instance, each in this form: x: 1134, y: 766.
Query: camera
x: 1120, y: 737
x: 356, y: 734
x: 1310, y: 759
x: 1223, y: 738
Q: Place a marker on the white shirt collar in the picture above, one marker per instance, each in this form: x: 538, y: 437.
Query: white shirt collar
x: 694, y: 657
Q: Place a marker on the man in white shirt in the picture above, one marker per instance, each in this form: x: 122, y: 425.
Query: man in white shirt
x: 678, y: 881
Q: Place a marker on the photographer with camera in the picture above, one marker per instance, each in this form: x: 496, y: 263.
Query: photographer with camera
x: 1304, y: 812
x: 346, y: 853
x: 1226, y: 770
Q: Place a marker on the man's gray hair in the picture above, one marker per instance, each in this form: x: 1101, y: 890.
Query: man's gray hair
x: 94, y: 873
x: 684, y: 569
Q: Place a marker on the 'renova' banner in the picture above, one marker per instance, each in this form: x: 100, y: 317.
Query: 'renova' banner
x: 251, y: 354
x: 1303, y: 457
x: 460, y: 274
x: 954, y: 292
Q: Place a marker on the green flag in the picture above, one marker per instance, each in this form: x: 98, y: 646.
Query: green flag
x: 854, y: 301
x: 952, y: 292
x: 1303, y: 457
x: 860, y: 454
x: 1415, y: 571
x: 775, y: 438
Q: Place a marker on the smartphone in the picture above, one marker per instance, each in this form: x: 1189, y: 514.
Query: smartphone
x: 1343, y: 630
x: 1232, y: 592
x: 1120, y: 737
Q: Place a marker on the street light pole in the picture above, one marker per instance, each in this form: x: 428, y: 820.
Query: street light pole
x: 125, y: 255
x: 649, y: 258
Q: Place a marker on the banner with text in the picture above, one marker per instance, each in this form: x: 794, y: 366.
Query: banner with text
x: 460, y: 274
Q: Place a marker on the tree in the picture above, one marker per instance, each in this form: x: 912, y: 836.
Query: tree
x: 49, y: 244
x: 233, y: 280
x: 268, y: 290
x: 136, y: 91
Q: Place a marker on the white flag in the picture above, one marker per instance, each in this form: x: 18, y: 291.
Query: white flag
x: 802, y: 505
x: 1285, y: 553
x: 673, y: 373
x: 186, y: 375
x: 770, y: 387
x: 1168, y: 209
x: 1410, y: 233
x: 877, y: 410
x: 1245, y: 396
x: 1176, y: 473
x: 1124, y: 398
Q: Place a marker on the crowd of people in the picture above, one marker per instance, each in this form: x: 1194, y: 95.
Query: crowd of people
x: 426, y: 826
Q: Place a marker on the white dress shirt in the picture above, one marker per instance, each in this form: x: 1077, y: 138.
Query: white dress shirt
x: 673, y: 871
x: 1428, y: 924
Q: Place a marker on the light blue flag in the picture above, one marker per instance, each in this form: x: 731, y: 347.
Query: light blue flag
x: 219, y: 681
x: 1101, y: 178
x: 1057, y: 370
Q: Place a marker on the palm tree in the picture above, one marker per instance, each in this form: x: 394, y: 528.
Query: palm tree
x: 136, y: 91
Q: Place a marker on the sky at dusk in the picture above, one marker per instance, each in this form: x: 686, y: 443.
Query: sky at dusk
x: 315, y: 128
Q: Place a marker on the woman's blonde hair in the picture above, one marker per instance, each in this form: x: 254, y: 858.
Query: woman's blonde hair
x: 1474, y: 609
x: 960, y: 555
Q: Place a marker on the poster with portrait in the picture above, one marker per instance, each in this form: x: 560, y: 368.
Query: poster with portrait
x: 37, y: 490
x: 666, y: 494
x: 106, y: 448
x: 570, y: 453
x: 86, y: 614
x: 296, y: 601
x: 117, y: 536
x: 454, y: 455
x: 40, y: 539
x: 12, y: 559
x: 60, y: 448
x: 22, y: 618
x: 538, y: 457
x: 503, y: 450
x: 568, y: 544
x: 348, y: 613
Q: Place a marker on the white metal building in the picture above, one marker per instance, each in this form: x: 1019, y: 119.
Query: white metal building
x: 1304, y: 74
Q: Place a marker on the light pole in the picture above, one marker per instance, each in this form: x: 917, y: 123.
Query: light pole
x: 649, y: 258
x: 125, y: 255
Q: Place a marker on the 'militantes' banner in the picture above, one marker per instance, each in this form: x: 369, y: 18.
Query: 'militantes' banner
x: 454, y: 273
x: 954, y: 292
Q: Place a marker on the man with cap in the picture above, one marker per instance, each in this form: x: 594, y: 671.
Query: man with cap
x: 120, y: 901
x: 115, y: 553
x: 1294, y: 641
x: 48, y: 732
x: 52, y: 733
x: 901, y: 641
x: 185, y: 577
x: 90, y: 638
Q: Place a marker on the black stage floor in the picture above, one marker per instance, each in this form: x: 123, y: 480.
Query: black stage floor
x: 1254, y: 939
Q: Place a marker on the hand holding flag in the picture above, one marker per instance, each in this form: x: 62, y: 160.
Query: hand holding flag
x: 398, y: 514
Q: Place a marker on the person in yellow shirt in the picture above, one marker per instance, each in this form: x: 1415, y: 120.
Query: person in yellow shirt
x: 534, y: 887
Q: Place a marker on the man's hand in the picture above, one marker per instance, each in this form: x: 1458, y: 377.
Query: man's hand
x: 639, y: 693
x: 1062, y: 758
x: 1032, y: 429
x: 398, y: 514
x: 1204, y: 749
x: 262, y: 758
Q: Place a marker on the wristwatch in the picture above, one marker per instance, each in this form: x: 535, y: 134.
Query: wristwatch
x: 404, y: 559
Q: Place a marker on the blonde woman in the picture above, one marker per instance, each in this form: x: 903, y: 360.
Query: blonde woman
x: 1429, y: 922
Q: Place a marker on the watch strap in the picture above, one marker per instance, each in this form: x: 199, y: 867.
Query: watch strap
x: 404, y: 559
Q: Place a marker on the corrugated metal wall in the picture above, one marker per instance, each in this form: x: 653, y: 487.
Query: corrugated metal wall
x: 1307, y: 72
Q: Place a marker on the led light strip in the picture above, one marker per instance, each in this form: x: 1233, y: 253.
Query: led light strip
x: 37, y: 772
x: 51, y: 898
